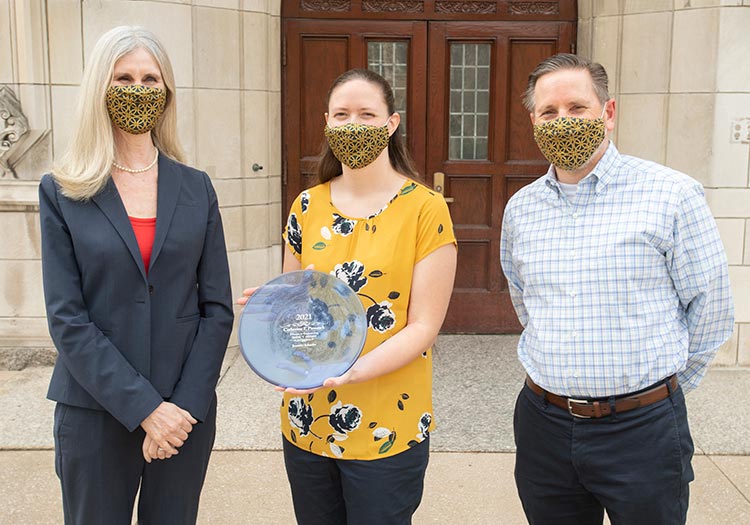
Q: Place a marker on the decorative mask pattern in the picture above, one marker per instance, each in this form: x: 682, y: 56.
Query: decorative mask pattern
x: 135, y: 109
x: 567, y: 142
x: 357, y: 145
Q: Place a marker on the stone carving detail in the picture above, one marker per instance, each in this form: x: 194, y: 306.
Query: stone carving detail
x: 393, y: 6
x: 481, y: 7
x: 325, y: 5
x: 534, y: 8
x: 13, y: 126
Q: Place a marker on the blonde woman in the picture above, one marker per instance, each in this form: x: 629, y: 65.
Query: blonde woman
x: 138, y: 297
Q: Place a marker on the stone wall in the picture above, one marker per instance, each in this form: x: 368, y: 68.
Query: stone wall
x: 226, y: 57
x: 680, y: 72
x: 678, y: 68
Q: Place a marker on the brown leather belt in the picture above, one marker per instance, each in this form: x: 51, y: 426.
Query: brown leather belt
x: 594, y: 409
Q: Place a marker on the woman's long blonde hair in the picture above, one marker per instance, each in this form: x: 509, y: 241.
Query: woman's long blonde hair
x: 84, y: 168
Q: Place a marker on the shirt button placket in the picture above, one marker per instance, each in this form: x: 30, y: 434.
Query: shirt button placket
x: 575, y: 228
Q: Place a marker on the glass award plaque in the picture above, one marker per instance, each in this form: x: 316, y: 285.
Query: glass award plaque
x: 301, y: 328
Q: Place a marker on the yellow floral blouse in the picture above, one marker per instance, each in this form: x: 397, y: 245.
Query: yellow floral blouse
x: 375, y: 256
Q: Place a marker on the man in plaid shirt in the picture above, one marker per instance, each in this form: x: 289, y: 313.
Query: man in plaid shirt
x: 620, y: 280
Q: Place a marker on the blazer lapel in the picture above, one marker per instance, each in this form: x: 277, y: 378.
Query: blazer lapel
x: 170, y: 181
x: 111, y: 205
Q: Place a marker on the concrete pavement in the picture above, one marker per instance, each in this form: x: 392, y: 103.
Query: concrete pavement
x: 470, y: 478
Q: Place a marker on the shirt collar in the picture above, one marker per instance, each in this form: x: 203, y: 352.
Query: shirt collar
x: 603, y: 172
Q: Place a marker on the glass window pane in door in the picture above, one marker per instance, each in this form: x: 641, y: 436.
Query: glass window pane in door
x: 469, y: 101
x: 390, y: 60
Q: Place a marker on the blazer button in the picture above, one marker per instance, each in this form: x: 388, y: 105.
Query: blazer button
x: 151, y: 289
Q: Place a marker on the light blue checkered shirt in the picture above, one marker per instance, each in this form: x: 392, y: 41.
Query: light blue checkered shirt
x: 620, y: 287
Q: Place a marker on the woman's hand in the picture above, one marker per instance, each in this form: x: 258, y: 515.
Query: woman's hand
x: 152, y: 451
x: 168, y: 426
x: 331, y: 382
x: 246, y: 293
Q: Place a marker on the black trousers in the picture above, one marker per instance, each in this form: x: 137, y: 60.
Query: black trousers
x: 329, y: 491
x: 100, y: 466
x: 635, y: 464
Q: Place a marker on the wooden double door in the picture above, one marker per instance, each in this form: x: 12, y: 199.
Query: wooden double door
x: 458, y: 87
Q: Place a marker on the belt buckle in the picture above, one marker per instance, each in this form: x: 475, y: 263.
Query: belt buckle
x: 578, y: 402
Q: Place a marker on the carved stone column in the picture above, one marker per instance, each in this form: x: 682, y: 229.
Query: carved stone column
x: 13, y: 126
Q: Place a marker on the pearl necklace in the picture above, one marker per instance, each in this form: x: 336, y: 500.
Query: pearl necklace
x: 139, y: 170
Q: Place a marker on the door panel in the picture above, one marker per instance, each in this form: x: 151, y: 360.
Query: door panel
x: 318, y: 59
x: 390, y: 59
x: 322, y: 59
x: 524, y: 55
x: 480, y: 138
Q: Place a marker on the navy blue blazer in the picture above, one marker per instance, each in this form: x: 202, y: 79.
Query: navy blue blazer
x: 126, y: 340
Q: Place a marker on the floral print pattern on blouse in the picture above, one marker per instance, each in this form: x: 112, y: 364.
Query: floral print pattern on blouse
x: 375, y: 256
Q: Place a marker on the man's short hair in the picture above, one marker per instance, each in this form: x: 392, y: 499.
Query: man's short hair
x: 562, y: 61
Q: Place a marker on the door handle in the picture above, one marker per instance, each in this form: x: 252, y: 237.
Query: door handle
x: 438, y: 179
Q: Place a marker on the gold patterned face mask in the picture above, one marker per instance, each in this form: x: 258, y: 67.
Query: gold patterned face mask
x: 357, y: 145
x: 568, y: 142
x: 135, y: 109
